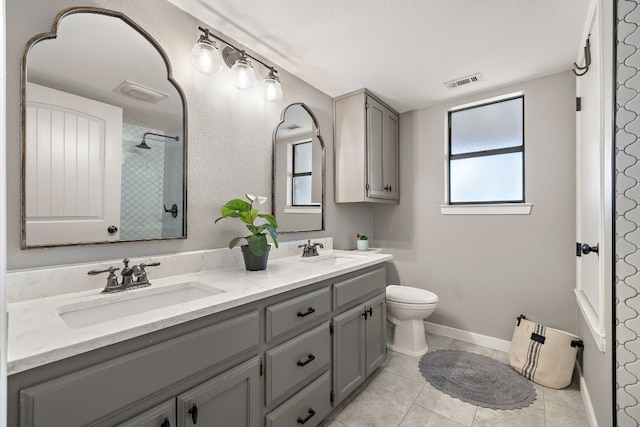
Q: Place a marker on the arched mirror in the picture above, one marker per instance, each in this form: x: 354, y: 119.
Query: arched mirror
x: 103, y: 134
x: 298, y: 171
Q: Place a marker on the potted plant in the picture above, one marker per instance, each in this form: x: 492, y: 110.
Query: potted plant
x: 362, y: 242
x: 256, y: 251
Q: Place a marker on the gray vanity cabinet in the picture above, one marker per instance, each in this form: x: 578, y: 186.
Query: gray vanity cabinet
x: 283, y: 361
x: 359, y: 340
x: 230, y: 399
x: 366, y: 149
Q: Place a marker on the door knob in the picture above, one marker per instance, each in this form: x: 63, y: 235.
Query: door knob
x: 586, y: 249
x: 112, y: 229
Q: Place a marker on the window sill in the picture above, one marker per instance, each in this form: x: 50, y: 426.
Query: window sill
x: 489, y: 209
x: 303, y: 210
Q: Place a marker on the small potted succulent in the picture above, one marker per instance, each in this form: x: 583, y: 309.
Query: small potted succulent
x: 256, y: 251
x: 362, y: 242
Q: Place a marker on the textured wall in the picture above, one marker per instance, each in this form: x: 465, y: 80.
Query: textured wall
x: 229, y: 138
x: 628, y: 215
x: 487, y: 269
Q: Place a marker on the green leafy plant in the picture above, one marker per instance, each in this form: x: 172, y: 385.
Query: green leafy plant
x: 361, y: 237
x: 245, y: 212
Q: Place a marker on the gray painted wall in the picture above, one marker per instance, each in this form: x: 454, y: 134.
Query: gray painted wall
x: 229, y: 138
x: 487, y: 269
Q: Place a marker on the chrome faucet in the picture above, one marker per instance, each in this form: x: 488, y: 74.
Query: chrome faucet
x: 309, y: 249
x: 139, y: 271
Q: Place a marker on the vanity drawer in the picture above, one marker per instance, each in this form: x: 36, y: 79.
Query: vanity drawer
x: 357, y: 287
x: 101, y: 390
x: 294, y: 312
x: 310, y: 406
x: 296, y: 361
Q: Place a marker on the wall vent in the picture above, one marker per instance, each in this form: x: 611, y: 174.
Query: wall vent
x: 473, y: 78
x: 140, y: 92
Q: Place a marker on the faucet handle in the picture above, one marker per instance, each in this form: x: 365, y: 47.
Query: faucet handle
x: 110, y: 270
x: 305, y: 245
x: 112, y: 280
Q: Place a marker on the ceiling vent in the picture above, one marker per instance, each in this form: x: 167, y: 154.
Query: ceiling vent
x: 140, y: 92
x: 462, y: 81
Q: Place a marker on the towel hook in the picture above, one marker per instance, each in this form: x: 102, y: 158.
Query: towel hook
x: 587, y: 61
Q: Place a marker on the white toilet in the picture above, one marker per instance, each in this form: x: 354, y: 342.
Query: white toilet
x: 407, y: 308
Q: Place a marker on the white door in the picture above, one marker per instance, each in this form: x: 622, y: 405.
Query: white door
x: 590, y: 185
x: 73, y: 168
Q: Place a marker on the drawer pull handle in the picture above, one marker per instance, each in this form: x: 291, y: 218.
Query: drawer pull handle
x: 311, y: 414
x: 310, y: 359
x: 310, y: 311
x: 165, y: 423
x: 194, y: 413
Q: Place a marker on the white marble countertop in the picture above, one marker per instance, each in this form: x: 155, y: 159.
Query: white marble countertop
x: 38, y: 335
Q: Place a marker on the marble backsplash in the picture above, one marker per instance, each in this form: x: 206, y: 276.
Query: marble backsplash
x: 29, y: 284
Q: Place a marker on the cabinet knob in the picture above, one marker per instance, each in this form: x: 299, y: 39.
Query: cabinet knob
x: 194, y: 413
x: 387, y: 188
x: 367, y: 313
x: 308, y: 417
x: 165, y: 423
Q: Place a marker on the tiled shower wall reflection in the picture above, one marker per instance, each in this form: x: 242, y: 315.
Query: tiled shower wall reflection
x: 144, y: 188
x: 628, y: 214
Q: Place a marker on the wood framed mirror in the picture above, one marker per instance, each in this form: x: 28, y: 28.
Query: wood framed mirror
x: 298, y: 171
x: 104, y: 134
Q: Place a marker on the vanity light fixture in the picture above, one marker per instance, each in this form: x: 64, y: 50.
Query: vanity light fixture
x: 242, y: 75
x: 272, y: 86
x: 205, y: 55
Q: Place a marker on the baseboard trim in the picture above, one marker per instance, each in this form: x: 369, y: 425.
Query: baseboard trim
x: 586, y: 398
x: 466, y: 336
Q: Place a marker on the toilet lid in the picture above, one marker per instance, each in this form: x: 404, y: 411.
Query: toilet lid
x: 410, y: 295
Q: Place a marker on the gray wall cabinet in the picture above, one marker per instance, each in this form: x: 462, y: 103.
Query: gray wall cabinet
x: 276, y: 362
x: 366, y: 149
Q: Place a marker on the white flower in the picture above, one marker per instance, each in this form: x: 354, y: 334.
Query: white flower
x: 259, y: 199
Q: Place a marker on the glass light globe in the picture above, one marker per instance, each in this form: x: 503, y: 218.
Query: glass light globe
x: 272, y: 88
x: 205, y: 57
x: 242, y: 75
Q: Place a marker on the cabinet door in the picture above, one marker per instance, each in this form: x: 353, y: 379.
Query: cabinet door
x: 390, y: 155
x: 163, y: 415
x: 349, y: 368
x: 375, y: 143
x: 230, y: 399
x: 382, y: 151
x: 375, y: 325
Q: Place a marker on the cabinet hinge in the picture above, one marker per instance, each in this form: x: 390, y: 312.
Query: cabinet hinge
x: 261, y: 368
x: 331, y: 329
x: 367, y: 186
x: 332, y: 397
x: 578, y: 103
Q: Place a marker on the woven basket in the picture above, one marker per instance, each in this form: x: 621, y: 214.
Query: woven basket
x: 542, y: 354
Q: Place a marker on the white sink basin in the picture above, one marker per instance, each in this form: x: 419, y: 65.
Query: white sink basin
x: 332, y: 258
x: 123, y: 304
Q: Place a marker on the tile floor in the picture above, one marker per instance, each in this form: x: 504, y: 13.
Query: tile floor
x: 398, y: 396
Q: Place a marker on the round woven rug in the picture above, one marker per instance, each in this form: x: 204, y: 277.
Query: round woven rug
x: 477, y: 379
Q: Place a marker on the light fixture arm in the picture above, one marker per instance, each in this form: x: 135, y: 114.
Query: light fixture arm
x: 208, y: 34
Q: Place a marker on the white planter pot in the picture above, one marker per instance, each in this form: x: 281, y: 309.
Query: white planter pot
x: 362, y: 245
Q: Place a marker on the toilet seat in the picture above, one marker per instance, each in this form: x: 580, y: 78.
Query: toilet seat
x: 409, y: 295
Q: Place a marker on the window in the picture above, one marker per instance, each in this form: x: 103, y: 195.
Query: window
x: 486, y: 153
x: 302, y: 177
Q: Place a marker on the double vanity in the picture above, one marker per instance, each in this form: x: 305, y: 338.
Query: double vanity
x: 281, y: 347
